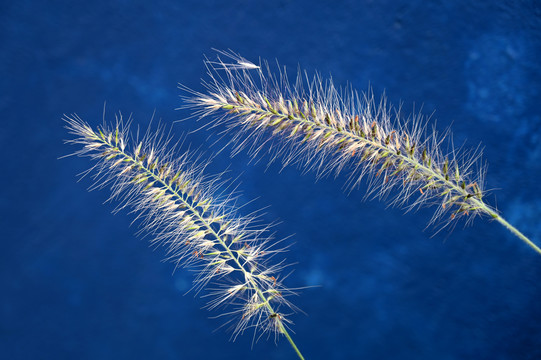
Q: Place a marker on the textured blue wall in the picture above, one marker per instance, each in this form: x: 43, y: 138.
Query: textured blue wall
x: 77, y: 284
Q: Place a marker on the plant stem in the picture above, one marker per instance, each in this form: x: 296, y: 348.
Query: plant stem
x: 286, y: 334
x: 517, y: 233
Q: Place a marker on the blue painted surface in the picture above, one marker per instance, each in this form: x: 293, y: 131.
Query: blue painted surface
x: 77, y: 284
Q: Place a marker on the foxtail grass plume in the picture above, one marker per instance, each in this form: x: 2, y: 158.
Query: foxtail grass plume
x: 181, y: 210
x: 313, y: 124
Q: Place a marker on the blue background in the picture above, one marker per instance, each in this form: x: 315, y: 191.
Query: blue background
x: 75, y: 283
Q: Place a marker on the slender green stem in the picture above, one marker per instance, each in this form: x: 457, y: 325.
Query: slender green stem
x: 286, y: 334
x: 510, y: 227
x: 517, y: 233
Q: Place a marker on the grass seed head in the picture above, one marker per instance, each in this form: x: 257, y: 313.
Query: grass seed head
x: 322, y: 128
x: 185, y: 211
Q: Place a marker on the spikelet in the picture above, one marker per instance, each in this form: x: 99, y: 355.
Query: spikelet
x: 319, y: 127
x: 182, y: 211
